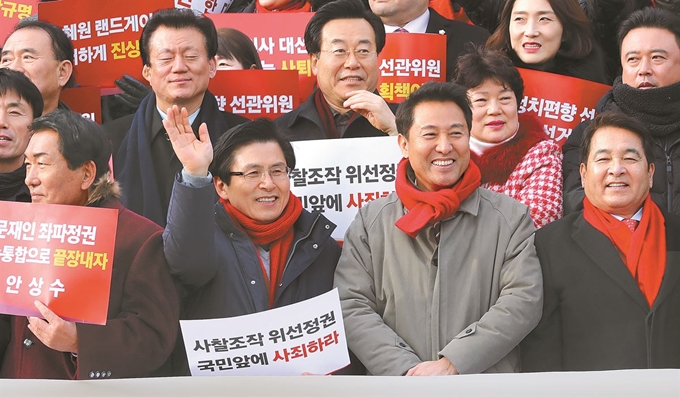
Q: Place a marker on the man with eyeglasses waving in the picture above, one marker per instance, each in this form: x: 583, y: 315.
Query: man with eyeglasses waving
x: 257, y: 248
x: 343, y: 40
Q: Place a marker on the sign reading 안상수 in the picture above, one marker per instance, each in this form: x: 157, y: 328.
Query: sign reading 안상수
x: 61, y: 255
x: 308, y: 336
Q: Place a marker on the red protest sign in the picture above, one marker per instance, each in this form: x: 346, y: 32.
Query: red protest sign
x: 256, y: 93
x: 61, y: 255
x: 10, y: 14
x: 279, y: 40
x: 84, y: 100
x: 105, y: 35
x: 560, y: 102
x: 408, y: 61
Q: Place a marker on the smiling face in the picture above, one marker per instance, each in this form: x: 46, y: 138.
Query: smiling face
x: 29, y: 51
x: 336, y: 77
x: 617, y: 177
x: 179, y: 69
x: 48, y: 176
x: 15, y: 117
x: 650, y: 58
x: 262, y: 200
x: 494, y: 112
x: 535, y: 31
x: 438, y: 145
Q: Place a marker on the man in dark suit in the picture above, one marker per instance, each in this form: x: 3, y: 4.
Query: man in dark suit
x: 414, y: 16
x: 611, y: 273
x: 67, y: 163
x: 343, y: 40
x: 178, y: 52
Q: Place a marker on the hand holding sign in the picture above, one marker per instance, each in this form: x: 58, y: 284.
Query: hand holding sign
x: 195, y: 153
x: 53, y: 331
x: 374, y: 108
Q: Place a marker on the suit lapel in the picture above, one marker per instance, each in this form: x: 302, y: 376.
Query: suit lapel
x: 603, y: 253
x: 672, y: 273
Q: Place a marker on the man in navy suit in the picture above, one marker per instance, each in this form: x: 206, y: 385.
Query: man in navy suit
x: 611, y: 273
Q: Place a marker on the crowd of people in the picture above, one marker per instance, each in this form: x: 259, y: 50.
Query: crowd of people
x: 498, y: 251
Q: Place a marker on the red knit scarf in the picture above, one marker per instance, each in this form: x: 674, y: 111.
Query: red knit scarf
x: 498, y: 163
x: 279, y: 233
x: 293, y: 6
x: 326, y: 115
x: 643, y: 251
x: 426, y: 208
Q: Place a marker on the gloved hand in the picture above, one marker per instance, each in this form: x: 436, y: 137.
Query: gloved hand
x: 133, y: 92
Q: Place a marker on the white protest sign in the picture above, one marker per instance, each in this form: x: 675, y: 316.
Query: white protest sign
x: 308, y: 336
x: 205, y: 6
x: 339, y: 176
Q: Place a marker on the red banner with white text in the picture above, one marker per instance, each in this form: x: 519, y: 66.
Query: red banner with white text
x: 560, y: 102
x: 256, y: 93
x: 279, y: 40
x: 60, y: 255
x: 408, y: 61
x: 84, y: 100
x: 105, y: 35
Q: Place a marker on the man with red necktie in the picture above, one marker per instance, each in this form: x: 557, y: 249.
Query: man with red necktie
x: 611, y: 272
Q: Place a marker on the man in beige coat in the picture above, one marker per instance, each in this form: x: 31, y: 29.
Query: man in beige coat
x: 441, y: 277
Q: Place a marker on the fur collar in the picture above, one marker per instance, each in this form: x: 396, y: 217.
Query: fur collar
x: 498, y: 163
x: 103, y: 190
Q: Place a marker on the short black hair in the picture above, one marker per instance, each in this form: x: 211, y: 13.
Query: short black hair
x: 61, y: 44
x: 80, y: 139
x: 232, y: 43
x: 342, y: 9
x: 617, y: 119
x: 650, y: 18
x: 15, y: 82
x: 474, y: 68
x: 257, y: 131
x: 432, y: 92
x: 177, y: 18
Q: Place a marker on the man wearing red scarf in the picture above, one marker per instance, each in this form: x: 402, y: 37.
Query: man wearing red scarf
x: 257, y: 248
x: 611, y: 272
x: 441, y: 277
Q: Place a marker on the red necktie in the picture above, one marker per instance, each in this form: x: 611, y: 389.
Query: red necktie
x: 400, y: 30
x: 631, y: 223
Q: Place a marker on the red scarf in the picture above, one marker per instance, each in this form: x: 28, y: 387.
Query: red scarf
x: 293, y: 6
x: 426, y: 208
x: 643, y: 251
x: 279, y: 233
x: 326, y: 115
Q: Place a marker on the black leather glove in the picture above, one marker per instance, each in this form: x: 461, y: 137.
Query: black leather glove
x: 133, y: 92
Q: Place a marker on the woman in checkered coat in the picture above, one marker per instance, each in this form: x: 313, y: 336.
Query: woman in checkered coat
x: 513, y: 152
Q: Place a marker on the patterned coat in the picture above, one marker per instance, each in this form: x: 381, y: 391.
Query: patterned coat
x: 529, y: 169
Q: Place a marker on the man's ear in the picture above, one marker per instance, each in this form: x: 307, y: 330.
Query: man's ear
x: 221, y: 188
x: 313, y: 61
x: 64, y: 71
x: 403, y: 145
x: 146, y: 73
x: 212, y: 67
x: 89, y: 173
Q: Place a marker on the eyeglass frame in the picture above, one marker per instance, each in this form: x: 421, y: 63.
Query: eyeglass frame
x: 335, y: 55
x: 262, y: 175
